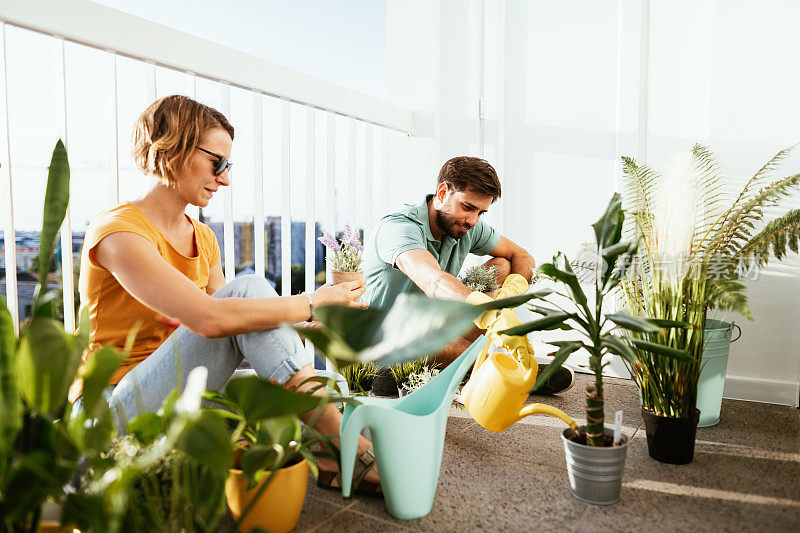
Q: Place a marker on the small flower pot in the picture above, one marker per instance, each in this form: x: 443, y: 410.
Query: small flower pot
x: 279, y: 506
x: 595, y: 473
x: 341, y: 277
x: 671, y: 440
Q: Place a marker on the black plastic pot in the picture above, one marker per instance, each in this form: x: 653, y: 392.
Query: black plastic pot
x: 383, y: 384
x: 671, y: 440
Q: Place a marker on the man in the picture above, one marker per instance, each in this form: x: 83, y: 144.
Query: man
x: 422, y: 248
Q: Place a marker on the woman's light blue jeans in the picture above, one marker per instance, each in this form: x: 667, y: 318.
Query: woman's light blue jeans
x: 275, y: 354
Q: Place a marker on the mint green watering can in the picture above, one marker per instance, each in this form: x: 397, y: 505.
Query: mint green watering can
x: 408, y: 438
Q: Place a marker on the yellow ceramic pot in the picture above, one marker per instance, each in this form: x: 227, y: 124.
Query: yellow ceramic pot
x: 279, y: 506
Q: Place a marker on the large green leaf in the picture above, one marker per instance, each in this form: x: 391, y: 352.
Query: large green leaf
x: 205, y: 438
x: 608, y: 230
x: 513, y: 301
x: 659, y: 349
x: 544, y: 323
x: 413, y: 327
x: 618, y: 346
x: 96, y: 374
x: 10, y: 403
x: 46, y: 364
x: 559, y: 357
x: 259, y: 399
x: 632, y: 323
x: 560, y: 270
x: 56, y: 199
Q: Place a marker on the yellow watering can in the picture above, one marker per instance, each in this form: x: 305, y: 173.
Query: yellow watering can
x: 501, y: 381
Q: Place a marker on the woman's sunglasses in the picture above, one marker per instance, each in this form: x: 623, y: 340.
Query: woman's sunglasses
x: 222, y: 162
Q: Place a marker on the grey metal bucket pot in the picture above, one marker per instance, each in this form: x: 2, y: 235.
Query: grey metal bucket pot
x: 595, y: 473
x: 716, y: 348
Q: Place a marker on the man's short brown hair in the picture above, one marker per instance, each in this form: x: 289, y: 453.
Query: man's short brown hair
x: 167, y: 133
x: 470, y: 173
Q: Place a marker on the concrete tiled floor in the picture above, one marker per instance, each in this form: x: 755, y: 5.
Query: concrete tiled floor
x: 745, y: 477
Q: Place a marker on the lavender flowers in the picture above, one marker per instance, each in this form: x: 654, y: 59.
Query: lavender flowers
x: 345, y: 253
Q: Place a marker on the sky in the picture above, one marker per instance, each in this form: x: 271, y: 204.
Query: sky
x: 343, y: 42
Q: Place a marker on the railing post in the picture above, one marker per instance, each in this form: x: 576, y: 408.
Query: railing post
x: 6, y: 194
x: 67, y: 272
x: 286, y: 194
x: 227, y: 199
x: 258, y: 185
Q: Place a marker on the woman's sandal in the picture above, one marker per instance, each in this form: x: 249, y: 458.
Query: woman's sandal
x: 364, y: 461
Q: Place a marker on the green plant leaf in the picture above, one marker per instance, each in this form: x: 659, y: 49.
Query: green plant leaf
x: 512, y: 301
x: 206, y: 439
x: 96, y: 374
x: 659, y: 349
x: 46, y: 365
x: 56, y: 199
x: 544, y: 323
x: 664, y: 323
x: 146, y: 427
x: 618, y: 346
x: 560, y: 270
x: 559, y: 357
x: 632, y: 323
x: 608, y: 229
x: 10, y: 401
x: 259, y: 399
x: 414, y: 326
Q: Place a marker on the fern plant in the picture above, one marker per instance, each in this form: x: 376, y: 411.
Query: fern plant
x: 697, y: 244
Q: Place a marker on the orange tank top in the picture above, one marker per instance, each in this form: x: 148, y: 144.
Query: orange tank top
x: 113, y: 311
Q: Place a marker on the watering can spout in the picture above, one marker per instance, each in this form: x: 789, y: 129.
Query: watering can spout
x: 540, y: 408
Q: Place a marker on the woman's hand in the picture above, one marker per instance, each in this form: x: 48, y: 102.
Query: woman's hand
x: 346, y: 293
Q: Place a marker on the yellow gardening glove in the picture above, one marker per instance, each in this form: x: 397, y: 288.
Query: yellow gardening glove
x: 486, y: 319
x: 513, y: 285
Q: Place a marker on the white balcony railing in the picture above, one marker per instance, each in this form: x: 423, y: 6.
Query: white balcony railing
x: 119, y: 35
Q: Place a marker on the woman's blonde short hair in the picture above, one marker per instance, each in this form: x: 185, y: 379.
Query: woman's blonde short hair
x: 168, y: 132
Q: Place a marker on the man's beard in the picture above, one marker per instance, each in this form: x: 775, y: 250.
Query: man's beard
x: 448, y: 224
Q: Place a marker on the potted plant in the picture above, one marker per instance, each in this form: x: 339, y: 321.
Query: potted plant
x: 266, y: 485
x: 359, y: 376
x: 345, y: 258
x: 595, y: 460
x: 481, y: 279
x: 698, y: 245
x: 411, y: 375
x: 43, y: 444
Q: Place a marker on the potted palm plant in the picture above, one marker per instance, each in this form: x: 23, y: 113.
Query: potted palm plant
x: 595, y: 458
x: 698, y: 245
x: 345, y: 257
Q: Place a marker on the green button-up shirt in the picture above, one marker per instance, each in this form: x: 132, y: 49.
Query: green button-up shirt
x: 410, y: 229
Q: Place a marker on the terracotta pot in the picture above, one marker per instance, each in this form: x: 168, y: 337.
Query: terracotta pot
x: 279, y: 506
x: 341, y: 277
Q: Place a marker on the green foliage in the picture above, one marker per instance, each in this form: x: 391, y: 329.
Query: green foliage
x: 589, y: 321
x: 359, y: 375
x: 480, y: 278
x: 43, y: 443
x: 722, y: 244
x: 413, y: 326
x: 401, y: 371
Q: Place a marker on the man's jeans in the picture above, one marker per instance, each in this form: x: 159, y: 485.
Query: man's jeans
x: 275, y: 354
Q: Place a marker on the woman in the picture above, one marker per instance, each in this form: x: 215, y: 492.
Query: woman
x: 146, y: 263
